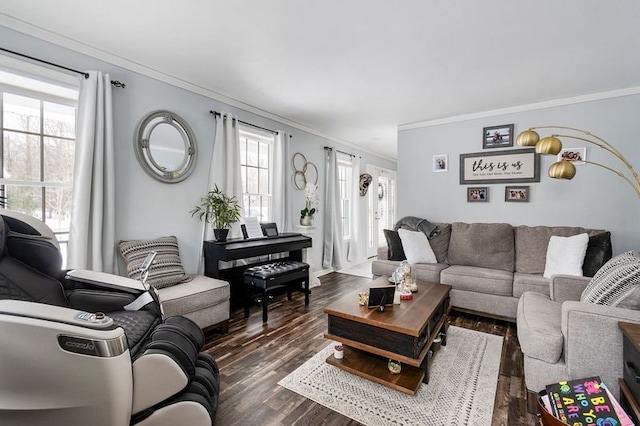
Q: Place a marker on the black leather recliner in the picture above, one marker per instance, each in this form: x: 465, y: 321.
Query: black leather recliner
x: 72, y: 354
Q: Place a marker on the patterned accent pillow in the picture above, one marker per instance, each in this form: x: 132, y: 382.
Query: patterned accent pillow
x: 167, y: 268
x: 615, y: 282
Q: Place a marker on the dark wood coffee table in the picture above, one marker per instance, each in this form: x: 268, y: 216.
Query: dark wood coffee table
x: 403, y: 332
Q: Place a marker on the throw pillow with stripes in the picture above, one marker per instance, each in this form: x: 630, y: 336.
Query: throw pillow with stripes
x: 616, y: 281
x: 167, y: 267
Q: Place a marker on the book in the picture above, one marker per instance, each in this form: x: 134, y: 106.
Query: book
x: 583, y: 401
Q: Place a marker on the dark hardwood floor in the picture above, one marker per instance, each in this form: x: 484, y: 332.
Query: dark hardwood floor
x: 254, y: 357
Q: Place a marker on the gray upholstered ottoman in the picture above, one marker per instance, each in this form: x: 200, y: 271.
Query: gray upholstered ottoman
x: 203, y: 300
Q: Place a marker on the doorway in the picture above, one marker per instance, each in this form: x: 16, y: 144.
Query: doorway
x: 381, y: 201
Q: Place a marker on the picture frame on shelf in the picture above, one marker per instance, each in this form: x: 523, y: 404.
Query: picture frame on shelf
x: 497, y: 136
x: 440, y: 163
x: 517, y: 194
x: 478, y: 194
x: 576, y: 155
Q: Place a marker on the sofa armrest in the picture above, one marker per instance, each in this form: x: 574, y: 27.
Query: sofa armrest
x: 383, y: 253
x: 567, y: 287
x: 593, y: 340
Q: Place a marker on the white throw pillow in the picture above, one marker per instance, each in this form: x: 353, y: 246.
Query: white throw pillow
x: 416, y: 247
x: 565, y: 255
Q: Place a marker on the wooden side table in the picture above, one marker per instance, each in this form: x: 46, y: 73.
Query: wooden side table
x: 631, y: 359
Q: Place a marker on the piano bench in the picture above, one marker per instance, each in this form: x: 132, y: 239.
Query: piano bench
x: 274, y: 276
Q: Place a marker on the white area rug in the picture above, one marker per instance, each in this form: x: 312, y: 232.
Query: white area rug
x: 362, y: 269
x: 461, y: 390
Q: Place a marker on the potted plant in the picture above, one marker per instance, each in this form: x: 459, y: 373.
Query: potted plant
x: 218, y: 209
x: 311, y: 200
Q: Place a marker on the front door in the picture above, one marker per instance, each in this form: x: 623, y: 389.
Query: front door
x: 381, y: 207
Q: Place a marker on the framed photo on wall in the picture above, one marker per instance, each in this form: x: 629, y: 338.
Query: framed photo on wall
x: 576, y: 155
x: 440, y: 163
x: 497, y: 136
x: 478, y: 194
x: 516, y: 194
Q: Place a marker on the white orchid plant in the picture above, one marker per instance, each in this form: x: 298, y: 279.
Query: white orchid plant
x: 311, y: 200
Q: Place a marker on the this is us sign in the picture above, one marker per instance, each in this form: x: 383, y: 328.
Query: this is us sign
x: 512, y: 166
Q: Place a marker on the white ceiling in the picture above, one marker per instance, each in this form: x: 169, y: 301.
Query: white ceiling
x: 356, y: 69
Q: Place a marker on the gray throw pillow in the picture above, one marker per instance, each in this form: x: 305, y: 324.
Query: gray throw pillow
x: 167, y: 268
x: 616, y: 283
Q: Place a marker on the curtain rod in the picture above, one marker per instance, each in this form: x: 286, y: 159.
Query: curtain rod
x: 116, y: 83
x: 275, y: 132
x: 342, y: 152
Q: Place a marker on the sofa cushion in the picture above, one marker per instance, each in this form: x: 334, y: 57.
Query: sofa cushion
x: 539, y: 327
x: 394, y: 245
x: 440, y: 243
x: 416, y: 247
x: 531, y: 244
x: 565, y: 255
x: 202, y: 292
x: 428, y: 272
x: 167, y: 268
x: 616, y: 283
x: 486, y: 245
x: 530, y: 282
x: 384, y: 267
x: 480, y: 280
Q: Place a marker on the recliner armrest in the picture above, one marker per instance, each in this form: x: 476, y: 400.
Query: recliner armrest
x: 105, y: 281
x: 567, y: 287
x: 99, y: 300
x: 55, y: 314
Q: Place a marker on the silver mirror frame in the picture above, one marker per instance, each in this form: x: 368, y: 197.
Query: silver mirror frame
x: 142, y: 147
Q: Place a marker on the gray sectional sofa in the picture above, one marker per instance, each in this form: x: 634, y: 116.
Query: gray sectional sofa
x: 490, y: 265
x: 496, y: 270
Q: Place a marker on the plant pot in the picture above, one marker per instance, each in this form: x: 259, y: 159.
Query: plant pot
x: 306, y: 220
x: 221, y: 234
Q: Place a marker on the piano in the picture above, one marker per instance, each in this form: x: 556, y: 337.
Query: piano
x: 227, y: 260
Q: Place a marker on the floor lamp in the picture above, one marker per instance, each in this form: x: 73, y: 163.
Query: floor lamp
x: 565, y: 169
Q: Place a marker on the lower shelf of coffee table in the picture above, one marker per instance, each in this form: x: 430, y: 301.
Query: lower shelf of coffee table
x: 374, y: 368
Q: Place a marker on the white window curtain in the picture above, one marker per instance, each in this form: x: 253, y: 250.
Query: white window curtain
x: 280, y: 191
x: 92, y: 231
x: 354, y: 247
x: 224, y: 170
x: 332, y: 256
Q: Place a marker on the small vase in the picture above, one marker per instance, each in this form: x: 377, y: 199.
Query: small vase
x: 306, y: 220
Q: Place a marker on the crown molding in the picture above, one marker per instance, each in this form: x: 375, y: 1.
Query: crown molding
x: 523, y: 108
x: 76, y: 46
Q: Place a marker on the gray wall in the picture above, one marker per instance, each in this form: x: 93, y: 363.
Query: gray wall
x: 595, y: 198
x: 146, y: 208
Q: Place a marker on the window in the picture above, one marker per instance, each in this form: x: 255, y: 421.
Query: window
x: 344, y: 182
x: 256, y: 154
x: 37, y: 146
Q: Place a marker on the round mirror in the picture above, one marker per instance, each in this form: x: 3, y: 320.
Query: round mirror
x: 165, y: 146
